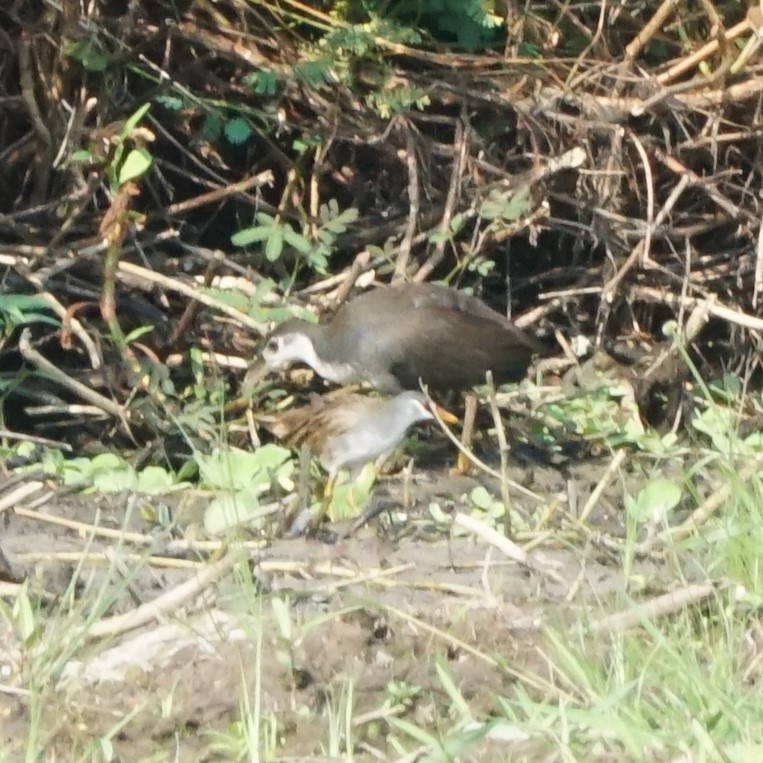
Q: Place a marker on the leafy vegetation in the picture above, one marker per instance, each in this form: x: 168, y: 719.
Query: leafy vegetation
x: 177, y: 179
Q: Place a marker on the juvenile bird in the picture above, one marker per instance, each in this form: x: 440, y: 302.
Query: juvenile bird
x: 347, y: 431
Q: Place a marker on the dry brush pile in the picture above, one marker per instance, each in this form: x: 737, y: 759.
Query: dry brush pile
x: 603, y: 161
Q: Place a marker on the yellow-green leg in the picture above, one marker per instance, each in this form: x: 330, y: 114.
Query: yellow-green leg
x: 463, y: 465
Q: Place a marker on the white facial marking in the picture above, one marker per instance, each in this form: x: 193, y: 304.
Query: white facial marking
x: 280, y: 351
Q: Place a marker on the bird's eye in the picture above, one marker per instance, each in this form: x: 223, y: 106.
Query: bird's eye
x: 272, y: 345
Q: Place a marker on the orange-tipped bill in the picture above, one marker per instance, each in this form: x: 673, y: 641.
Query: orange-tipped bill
x: 446, y: 416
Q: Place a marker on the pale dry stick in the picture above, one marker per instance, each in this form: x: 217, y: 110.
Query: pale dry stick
x: 309, y: 571
x: 76, y: 327
x: 167, y: 602
x: 487, y: 594
x: 608, y: 291
x: 650, y: 294
x: 227, y: 190
x: 700, y: 55
x: 569, y: 293
x: 379, y: 714
x: 128, y: 270
x: 10, y: 590
x: 175, y: 546
x: 419, y: 753
x: 702, y: 513
x: 15, y: 691
x: 737, y: 93
x: 686, y: 89
x: 358, y: 267
x: 667, y: 604
x: 572, y: 591
x: 758, y: 284
x: 21, y: 437
x: 503, y: 450
x: 716, y: 23
x: 336, y: 280
x: 460, y: 142
x: 582, y: 57
x: 208, y: 360
x: 71, y: 410
x: 371, y: 576
x: 649, y: 181
x: 414, y: 204
x: 105, y: 558
x: 315, y: 193
x: 670, y: 202
x: 481, y: 464
x: 21, y: 493
x: 609, y: 473
x: 36, y: 359
x: 86, y: 529
x: 708, y: 187
x: 506, y: 546
x: 532, y: 317
x: 470, y: 419
x: 380, y: 578
x: 654, y: 25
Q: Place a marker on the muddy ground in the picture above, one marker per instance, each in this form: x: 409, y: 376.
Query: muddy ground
x: 371, y: 609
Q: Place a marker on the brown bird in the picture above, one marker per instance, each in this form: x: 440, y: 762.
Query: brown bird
x: 349, y: 430
x: 393, y: 337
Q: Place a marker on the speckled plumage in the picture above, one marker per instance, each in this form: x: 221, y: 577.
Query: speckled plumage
x: 349, y: 430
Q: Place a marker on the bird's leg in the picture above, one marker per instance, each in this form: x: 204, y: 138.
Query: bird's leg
x: 463, y: 464
x: 297, y: 515
x: 384, y: 462
x: 328, y: 493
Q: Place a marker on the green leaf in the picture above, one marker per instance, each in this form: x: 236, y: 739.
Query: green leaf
x: 315, y: 74
x: 212, y: 127
x: 134, y: 120
x: 230, y: 509
x: 137, y: 163
x: 81, y: 156
x: 654, y: 501
x: 263, y: 82
x: 138, y: 333
x: 155, y: 480
x: 350, y: 498
x: 23, y: 616
x: 116, y: 481
x: 237, y: 469
x: 238, y: 131
x: 274, y: 245
x: 506, y: 206
x: 283, y: 618
x: 519, y: 205
x: 88, y: 54
x: 170, y: 102
x: 481, y: 498
x: 22, y: 302
x: 265, y: 219
x: 251, y: 235
x: 296, y: 240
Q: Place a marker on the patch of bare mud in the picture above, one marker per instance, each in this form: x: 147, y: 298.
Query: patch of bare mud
x: 377, y: 608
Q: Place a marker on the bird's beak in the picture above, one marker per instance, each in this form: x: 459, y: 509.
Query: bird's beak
x: 257, y: 371
x: 446, y: 416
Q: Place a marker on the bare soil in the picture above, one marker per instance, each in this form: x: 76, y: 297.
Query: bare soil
x: 166, y: 688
